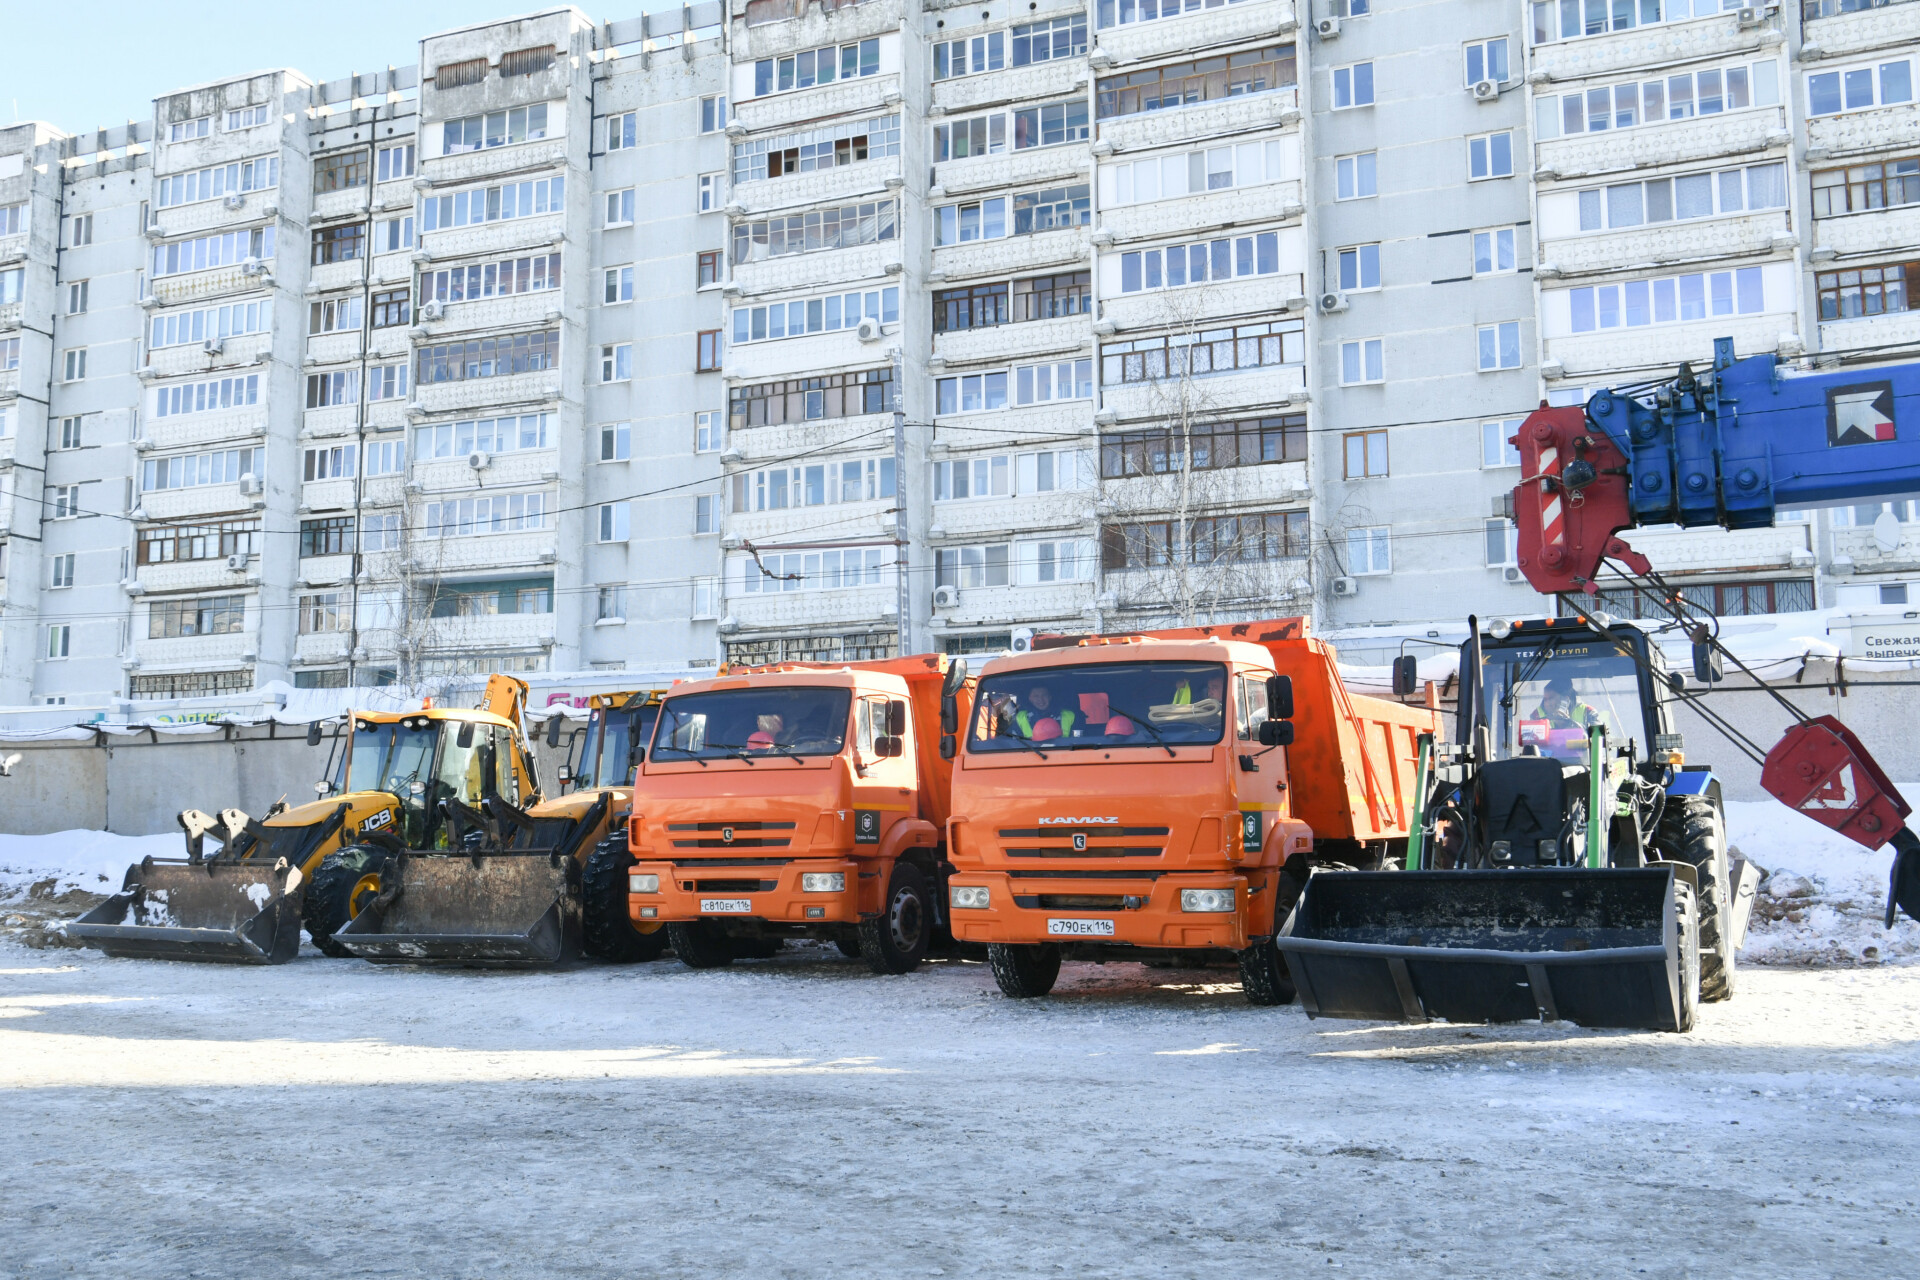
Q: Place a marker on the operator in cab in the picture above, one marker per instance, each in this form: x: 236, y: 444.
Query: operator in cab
x: 1561, y: 708
x: 766, y: 732
x: 1037, y: 721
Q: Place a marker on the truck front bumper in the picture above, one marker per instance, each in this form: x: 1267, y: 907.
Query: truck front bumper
x: 769, y: 894
x: 1027, y: 911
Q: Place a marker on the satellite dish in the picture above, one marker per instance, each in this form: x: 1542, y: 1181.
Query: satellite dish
x: 1886, y: 532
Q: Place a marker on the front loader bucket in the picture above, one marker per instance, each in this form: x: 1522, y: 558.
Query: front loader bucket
x: 508, y: 910
x: 175, y: 909
x: 1595, y: 947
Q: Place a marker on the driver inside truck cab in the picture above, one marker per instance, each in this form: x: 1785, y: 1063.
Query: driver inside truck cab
x: 1037, y: 720
x: 766, y: 733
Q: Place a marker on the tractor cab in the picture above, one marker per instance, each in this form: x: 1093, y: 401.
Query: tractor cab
x: 1544, y: 687
x: 423, y: 758
x: 613, y: 742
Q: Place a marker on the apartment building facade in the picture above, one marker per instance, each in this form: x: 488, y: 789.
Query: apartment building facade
x: 792, y: 329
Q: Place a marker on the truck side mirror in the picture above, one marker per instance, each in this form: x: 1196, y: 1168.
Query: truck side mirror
x: 1276, y: 733
x: 313, y: 733
x: 1676, y: 682
x: 1279, y: 698
x: 946, y: 746
x: 1406, y: 675
x: 949, y: 716
x: 465, y: 736
x: 553, y: 730
x: 1706, y: 663
x: 887, y: 746
x: 896, y: 719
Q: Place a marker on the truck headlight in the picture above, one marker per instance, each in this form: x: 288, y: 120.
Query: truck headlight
x: 823, y: 882
x: 967, y: 896
x: 643, y: 884
x: 1206, y: 899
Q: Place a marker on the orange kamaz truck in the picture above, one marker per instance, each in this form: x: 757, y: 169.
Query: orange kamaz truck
x: 800, y: 800
x: 1164, y: 795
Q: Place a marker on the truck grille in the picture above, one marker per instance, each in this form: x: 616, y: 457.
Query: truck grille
x: 734, y: 886
x: 1041, y: 833
x: 731, y: 835
x: 1084, y: 902
x: 1081, y: 873
x: 1091, y: 851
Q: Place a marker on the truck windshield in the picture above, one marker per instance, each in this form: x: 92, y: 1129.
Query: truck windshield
x: 604, y: 761
x: 1128, y: 704
x: 751, y: 723
x: 1543, y: 699
x: 388, y: 757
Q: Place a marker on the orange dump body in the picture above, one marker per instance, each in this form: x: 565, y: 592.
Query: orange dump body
x: 1096, y: 847
x: 731, y: 838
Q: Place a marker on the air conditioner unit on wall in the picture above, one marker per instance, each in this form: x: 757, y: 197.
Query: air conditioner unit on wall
x: 1332, y: 303
x: 234, y: 200
x: 869, y: 330
x: 945, y: 597
x: 1486, y: 90
x: 1512, y: 574
x: 1022, y: 640
x: 432, y: 310
x: 1346, y: 586
x: 479, y: 460
x: 1328, y: 28
x: 237, y: 562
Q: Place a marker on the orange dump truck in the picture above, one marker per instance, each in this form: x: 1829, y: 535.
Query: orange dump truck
x: 800, y: 800
x: 1163, y: 795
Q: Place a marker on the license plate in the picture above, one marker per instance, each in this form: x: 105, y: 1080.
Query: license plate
x: 727, y: 906
x: 1080, y: 928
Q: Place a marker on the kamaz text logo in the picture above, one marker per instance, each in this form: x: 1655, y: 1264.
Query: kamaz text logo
x: 1075, y: 822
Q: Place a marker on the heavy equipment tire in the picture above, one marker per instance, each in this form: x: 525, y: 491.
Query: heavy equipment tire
x: 849, y: 947
x: 700, y: 944
x: 1691, y: 831
x: 1686, y: 911
x: 1263, y: 974
x: 607, y: 931
x: 896, y: 940
x: 1024, y: 972
x: 345, y: 881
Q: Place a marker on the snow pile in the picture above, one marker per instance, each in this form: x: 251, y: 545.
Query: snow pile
x: 1824, y: 901
x: 95, y: 861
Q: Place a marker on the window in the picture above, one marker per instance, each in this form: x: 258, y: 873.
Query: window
x: 969, y: 55
x: 1487, y: 60
x: 339, y: 387
x: 813, y: 149
x: 1210, y: 351
x: 620, y: 208
x: 1254, y: 537
x: 1727, y: 599
x: 844, y: 227
x: 394, y: 162
x: 80, y: 230
x: 334, y: 315
x: 1493, y: 251
x: 616, y: 362
x: 340, y: 244
x: 76, y: 293
x: 1695, y: 195
x: 207, y: 616
x: 9, y: 353
x: 713, y: 111
x: 971, y: 393
x: 815, y: 315
x: 219, y: 180
x: 494, y: 129
x: 387, y: 382
x: 1035, y: 298
x: 386, y: 457
x: 1360, y: 267
x: 390, y: 235
x: 75, y: 365
x: 1120, y: 12
x: 1706, y: 92
x: 620, y: 132
x: 613, y: 604
x: 964, y: 567
x: 455, y: 75
x: 1496, y: 447
x: 63, y: 570
x: 834, y: 395
x: 1568, y: 20
x: 1354, y: 176
x: 1369, y: 552
x: 246, y: 117
x: 330, y: 462
x: 526, y: 62
x: 1053, y: 380
x: 496, y: 513
x: 1502, y: 542
x: 619, y: 284
x: 328, y: 610
x: 1353, y: 86
x: 707, y: 351
x: 1206, y: 80
x: 1366, y: 454
x: 1165, y: 177
x: 1063, y: 37
x: 192, y: 684
x: 709, y: 192
x: 12, y: 285
x: 1866, y: 186
x: 613, y: 521
x: 814, y: 485
x: 1032, y: 211
x: 708, y: 270
x: 494, y: 204
x: 978, y: 136
x: 1868, y: 291
x: 706, y: 596
x: 173, y: 543
x: 616, y: 442
x: 1360, y: 362
x: 332, y: 536
x: 827, y: 570
x: 392, y: 307
x: 59, y: 640
x: 13, y: 219
x: 1207, y: 446
x: 488, y: 357
x: 1499, y: 346
x: 1668, y: 300
x: 1185, y: 264
x: 988, y: 477
x: 1858, y: 88
x: 183, y: 328
x: 803, y: 71
x: 1490, y: 156
x: 706, y: 513
x: 706, y: 431
x: 69, y: 433
x: 341, y: 172
x: 6, y: 429
x: 510, y: 433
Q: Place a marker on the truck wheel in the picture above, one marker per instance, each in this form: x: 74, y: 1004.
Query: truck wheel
x: 345, y: 882
x: 1686, y: 912
x: 606, y: 928
x: 1691, y: 832
x: 700, y: 944
x: 1024, y: 972
x: 1263, y: 974
x: 896, y: 940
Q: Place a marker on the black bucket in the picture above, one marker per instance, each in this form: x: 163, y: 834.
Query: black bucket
x: 177, y: 909
x: 492, y: 910
x: 1600, y: 948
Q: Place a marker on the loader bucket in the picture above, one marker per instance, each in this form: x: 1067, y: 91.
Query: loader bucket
x: 175, y: 909
x: 1597, y: 947
x: 495, y: 909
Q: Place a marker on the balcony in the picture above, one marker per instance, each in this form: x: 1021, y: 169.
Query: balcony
x: 825, y: 267
x: 1653, y: 46
x: 13, y: 248
x: 1901, y: 329
x: 333, y: 348
x: 1889, y: 233
x: 1842, y: 35
x: 391, y: 343
x: 491, y: 239
x: 805, y: 356
x: 1203, y: 303
x: 204, y: 285
x: 1883, y: 129
x: 194, y: 653
x: 1037, y: 166
x: 241, y: 353
x: 493, y: 315
x: 971, y: 520
x: 9, y: 445
x: 1212, y: 396
x: 10, y: 316
x: 227, y: 427
x: 1065, y: 249
x: 1202, y: 120
x: 491, y: 632
x: 995, y: 430
x: 517, y: 471
x: 515, y: 389
x: 1859, y: 545
x: 813, y: 27
x: 187, y: 504
x: 9, y: 382
x: 870, y: 434
x: 1020, y: 606
x: 1196, y: 32
x: 392, y: 268
x: 194, y: 575
x: 866, y: 96
x: 335, y: 420
x: 318, y: 571
x: 848, y: 521
x: 1246, y: 206
x: 1737, y: 133
x: 1661, y: 347
x: 331, y: 205
x: 323, y: 647
x: 1675, y: 244
x: 495, y: 162
x: 204, y: 216
x: 1724, y: 551
x: 331, y: 276
x: 1044, y: 80
x: 1061, y: 335
x: 823, y: 186
x: 449, y: 556
x: 857, y: 608
x: 1271, y: 486
x: 327, y: 495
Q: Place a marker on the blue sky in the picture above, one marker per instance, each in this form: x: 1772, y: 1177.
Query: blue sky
x: 80, y: 65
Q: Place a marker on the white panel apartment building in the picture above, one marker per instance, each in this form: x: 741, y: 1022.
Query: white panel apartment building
x: 841, y: 328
